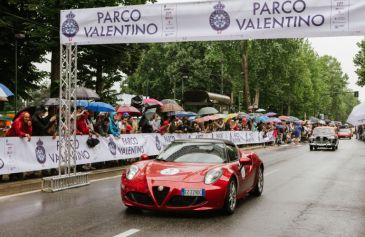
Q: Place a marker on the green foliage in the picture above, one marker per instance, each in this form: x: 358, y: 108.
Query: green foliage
x: 290, y: 76
x: 359, y: 61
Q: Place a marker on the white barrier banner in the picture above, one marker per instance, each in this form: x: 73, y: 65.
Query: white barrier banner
x: 19, y: 155
x: 213, y: 20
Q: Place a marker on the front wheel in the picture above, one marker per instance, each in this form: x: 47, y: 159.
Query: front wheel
x: 231, y: 198
x: 259, y: 186
x: 311, y: 148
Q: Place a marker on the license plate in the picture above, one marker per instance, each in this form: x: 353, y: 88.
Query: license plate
x: 193, y: 192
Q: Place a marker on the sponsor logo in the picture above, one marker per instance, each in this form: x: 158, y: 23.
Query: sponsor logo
x: 1, y: 164
x: 158, y: 143
x: 169, y: 171
x: 219, y: 20
x: 70, y: 26
x: 40, y: 152
x: 112, y: 146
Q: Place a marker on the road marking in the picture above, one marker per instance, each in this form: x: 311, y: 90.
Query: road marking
x: 106, y: 178
x: 270, y: 173
x: 19, y: 194
x: 127, y: 233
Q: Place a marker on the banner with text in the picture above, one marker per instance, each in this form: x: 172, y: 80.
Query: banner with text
x: 213, y: 20
x: 19, y: 155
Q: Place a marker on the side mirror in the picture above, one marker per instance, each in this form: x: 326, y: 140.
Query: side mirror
x: 144, y: 157
x: 245, y: 161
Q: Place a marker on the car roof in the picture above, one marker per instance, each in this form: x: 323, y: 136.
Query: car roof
x: 206, y: 140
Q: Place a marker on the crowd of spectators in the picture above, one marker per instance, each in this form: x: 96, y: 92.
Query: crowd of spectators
x: 44, y: 123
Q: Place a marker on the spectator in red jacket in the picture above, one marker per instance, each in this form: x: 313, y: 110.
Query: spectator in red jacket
x: 81, y: 124
x: 22, y: 127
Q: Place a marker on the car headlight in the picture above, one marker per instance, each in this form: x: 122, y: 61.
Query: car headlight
x: 132, y: 171
x: 213, y: 175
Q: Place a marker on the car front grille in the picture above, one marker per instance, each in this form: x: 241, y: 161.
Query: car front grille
x: 322, y: 140
x: 142, y: 198
x: 185, y: 201
x: 160, y: 195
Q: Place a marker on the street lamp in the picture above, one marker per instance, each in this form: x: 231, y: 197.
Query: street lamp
x: 18, y: 36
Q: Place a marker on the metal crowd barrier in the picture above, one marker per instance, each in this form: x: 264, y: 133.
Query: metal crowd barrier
x: 66, y: 181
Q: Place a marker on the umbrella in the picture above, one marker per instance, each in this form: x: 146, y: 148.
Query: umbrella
x: 56, y: 102
x: 314, y: 120
x: 152, y: 101
x: 206, y: 119
x: 357, y: 115
x: 271, y: 114
x: 240, y: 115
x: 168, y: 101
x: 260, y: 110
x: 275, y: 120
x: 100, y: 107
x: 5, y: 118
x: 51, y: 102
x: 262, y: 118
x: 4, y: 91
x: 181, y: 114
x: 171, y: 108
x: 86, y: 94
x: 230, y: 116
x: 133, y: 111
x: 207, y: 110
x: 284, y: 118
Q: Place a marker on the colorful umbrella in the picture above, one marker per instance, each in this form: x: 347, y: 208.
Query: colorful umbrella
x: 100, y: 107
x: 129, y: 109
x: 84, y: 93
x: 5, y: 118
x: 207, y: 111
x: 151, y: 101
x: 4, y: 91
x: 182, y: 114
x: 260, y: 110
x: 165, y: 108
x: 168, y: 101
x: 271, y: 114
x: 283, y: 118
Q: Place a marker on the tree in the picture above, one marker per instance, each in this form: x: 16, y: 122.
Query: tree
x: 359, y: 61
x: 13, y: 20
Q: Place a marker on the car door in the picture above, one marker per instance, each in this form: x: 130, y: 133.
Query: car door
x: 233, y: 156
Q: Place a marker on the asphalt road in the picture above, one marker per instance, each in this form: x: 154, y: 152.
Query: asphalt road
x: 319, y: 193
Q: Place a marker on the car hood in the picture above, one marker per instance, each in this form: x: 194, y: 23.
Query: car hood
x: 178, y: 172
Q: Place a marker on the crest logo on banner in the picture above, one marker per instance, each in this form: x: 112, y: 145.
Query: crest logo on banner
x: 158, y: 143
x: 112, y: 146
x: 70, y: 26
x: 1, y: 164
x: 219, y: 19
x: 40, y: 152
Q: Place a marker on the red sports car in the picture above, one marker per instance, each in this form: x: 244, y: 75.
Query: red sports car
x: 193, y: 175
x: 344, y: 133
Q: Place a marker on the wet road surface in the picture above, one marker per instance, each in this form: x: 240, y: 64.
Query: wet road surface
x: 318, y: 193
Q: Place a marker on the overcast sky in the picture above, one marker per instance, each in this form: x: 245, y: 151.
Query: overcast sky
x: 344, y: 49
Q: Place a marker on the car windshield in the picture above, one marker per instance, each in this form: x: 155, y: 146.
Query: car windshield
x: 323, y: 132
x: 194, y: 153
x: 345, y: 130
